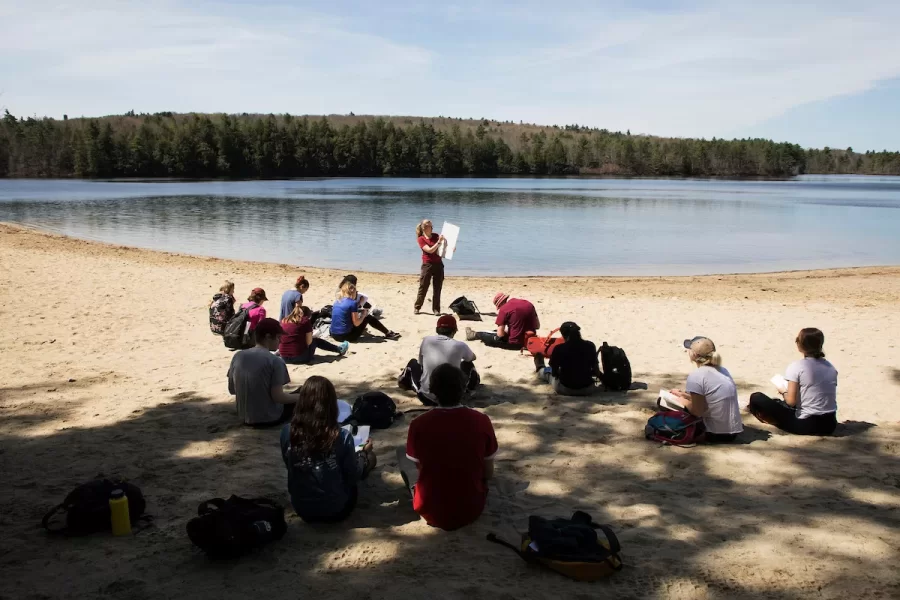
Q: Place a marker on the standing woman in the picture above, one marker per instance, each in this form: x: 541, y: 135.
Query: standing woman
x: 432, y: 266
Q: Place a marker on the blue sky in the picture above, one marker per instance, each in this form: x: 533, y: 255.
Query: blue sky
x: 817, y: 73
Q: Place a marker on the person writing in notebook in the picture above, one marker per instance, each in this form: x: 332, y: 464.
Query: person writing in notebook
x: 449, y: 455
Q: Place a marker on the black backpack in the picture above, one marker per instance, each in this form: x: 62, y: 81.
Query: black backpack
x: 87, y: 507
x: 375, y: 409
x: 616, y: 368
x: 465, y: 309
x: 233, y: 527
x: 237, y: 331
x: 571, y: 547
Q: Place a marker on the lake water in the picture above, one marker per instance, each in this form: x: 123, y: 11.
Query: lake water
x: 508, y: 226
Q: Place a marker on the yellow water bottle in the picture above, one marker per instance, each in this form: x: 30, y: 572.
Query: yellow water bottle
x: 118, y: 512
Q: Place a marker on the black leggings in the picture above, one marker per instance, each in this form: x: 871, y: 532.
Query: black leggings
x: 355, y: 333
x: 494, y: 341
x: 784, y: 417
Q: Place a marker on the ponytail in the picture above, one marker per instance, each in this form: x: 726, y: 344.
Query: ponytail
x: 810, y: 341
x: 714, y: 359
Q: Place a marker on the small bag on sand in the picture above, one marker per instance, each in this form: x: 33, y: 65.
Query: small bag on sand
x: 465, y: 309
x: 542, y: 345
x: 233, y: 527
x: 675, y: 427
x: 87, y: 507
x: 570, y: 547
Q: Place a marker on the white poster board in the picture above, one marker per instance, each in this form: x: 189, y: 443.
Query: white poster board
x: 451, y: 235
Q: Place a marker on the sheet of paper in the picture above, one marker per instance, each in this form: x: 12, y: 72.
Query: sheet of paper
x: 361, y: 437
x: 344, y: 410
x: 451, y: 235
x: 780, y: 383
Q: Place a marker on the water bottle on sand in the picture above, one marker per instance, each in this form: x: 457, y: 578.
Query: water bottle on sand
x: 118, y: 512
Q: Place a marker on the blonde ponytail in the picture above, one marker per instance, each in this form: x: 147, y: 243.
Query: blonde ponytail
x: 420, y: 228
x: 710, y: 360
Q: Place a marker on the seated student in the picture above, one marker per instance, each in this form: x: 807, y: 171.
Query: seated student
x: 810, y: 402
x: 298, y: 347
x: 711, y: 392
x: 442, y: 349
x: 221, y: 308
x: 449, y: 456
x: 322, y: 463
x: 292, y: 297
x: 256, y: 378
x: 349, y: 321
x: 361, y: 298
x: 255, y: 305
x: 573, y: 364
x: 515, y: 317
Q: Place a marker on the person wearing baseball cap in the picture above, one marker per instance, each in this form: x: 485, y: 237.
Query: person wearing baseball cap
x: 256, y: 378
x: 573, y: 364
x: 293, y: 296
x: 441, y: 349
x: 254, y: 306
x: 515, y: 318
x: 710, y: 392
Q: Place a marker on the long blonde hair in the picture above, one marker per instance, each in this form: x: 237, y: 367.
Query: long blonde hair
x: 420, y: 228
x: 348, y: 290
x: 227, y: 288
x: 295, y: 315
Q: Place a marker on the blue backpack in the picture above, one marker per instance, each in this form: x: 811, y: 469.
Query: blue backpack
x: 675, y: 427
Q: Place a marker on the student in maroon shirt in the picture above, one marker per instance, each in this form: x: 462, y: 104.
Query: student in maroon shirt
x: 449, y: 456
x: 515, y: 317
x: 432, y: 266
x: 298, y: 346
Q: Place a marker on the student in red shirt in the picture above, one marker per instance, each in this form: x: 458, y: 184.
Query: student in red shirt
x: 432, y: 266
x: 452, y: 448
x: 515, y: 317
x: 298, y: 346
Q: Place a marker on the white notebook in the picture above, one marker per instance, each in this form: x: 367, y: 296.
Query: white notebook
x: 780, y: 383
x: 669, y: 400
x: 361, y: 437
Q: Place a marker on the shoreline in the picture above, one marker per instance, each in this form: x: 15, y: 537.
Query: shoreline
x: 782, y: 274
x: 112, y: 369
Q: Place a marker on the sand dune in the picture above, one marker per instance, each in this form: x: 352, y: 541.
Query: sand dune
x: 109, y: 367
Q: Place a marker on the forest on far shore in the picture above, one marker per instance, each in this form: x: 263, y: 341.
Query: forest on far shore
x: 283, y: 146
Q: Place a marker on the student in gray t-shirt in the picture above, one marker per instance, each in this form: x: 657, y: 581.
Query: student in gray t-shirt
x: 809, y: 406
x: 256, y: 378
x: 442, y: 349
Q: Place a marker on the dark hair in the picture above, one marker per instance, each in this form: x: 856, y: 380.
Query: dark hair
x: 570, y: 331
x: 448, y: 331
x: 810, y: 341
x: 350, y: 278
x: 314, y: 426
x: 301, y: 282
x: 307, y: 312
x: 255, y: 297
x: 448, y: 384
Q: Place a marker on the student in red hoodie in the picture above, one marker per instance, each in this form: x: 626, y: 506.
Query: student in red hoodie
x: 449, y: 455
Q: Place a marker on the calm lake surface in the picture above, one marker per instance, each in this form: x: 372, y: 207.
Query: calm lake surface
x: 508, y: 226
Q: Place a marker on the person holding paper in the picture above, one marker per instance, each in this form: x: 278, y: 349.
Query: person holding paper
x: 432, y: 266
x: 322, y: 461
x: 711, y: 393
x: 809, y: 390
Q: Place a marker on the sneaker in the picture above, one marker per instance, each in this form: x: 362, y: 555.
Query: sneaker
x: 392, y: 335
x: 417, y: 311
x: 470, y: 334
x: 344, y: 347
x: 538, y: 363
x: 437, y: 313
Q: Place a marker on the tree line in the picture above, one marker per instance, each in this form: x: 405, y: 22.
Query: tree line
x: 282, y: 146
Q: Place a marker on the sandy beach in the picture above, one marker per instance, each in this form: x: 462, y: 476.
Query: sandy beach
x: 109, y: 367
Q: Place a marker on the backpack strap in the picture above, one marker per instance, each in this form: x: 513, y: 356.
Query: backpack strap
x: 491, y: 537
x: 45, y: 522
x: 549, y: 341
x: 210, y: 505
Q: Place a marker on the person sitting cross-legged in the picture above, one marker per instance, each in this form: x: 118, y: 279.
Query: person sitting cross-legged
x: 449, y: 455
x: 515, y: 318
x: 436, y: 350
x: 573, y: 364
x: 256, y: 378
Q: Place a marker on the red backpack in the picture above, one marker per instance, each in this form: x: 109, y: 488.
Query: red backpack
x: 675, y: 427
x: 535, y: 344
